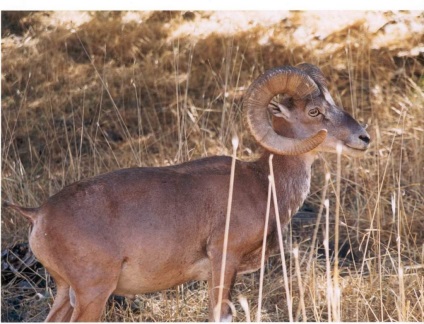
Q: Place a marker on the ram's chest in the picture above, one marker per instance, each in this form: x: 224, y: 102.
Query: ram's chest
x: 291, y: 193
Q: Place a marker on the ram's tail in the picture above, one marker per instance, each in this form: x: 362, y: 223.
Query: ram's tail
x: 30, y: 213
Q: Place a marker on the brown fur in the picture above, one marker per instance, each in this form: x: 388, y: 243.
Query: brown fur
x: 140, y: 230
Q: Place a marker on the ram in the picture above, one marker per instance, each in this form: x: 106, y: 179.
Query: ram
x: 140, y: 230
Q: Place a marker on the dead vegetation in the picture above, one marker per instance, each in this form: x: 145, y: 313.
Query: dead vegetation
x: 88, y: 92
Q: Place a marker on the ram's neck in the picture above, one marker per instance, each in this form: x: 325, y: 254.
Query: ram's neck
x: 292, y: 180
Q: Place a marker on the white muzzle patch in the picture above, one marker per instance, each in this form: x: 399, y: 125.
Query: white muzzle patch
x: 72, y: 298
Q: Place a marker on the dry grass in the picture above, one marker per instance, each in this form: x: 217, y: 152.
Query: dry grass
x: 85, y: 93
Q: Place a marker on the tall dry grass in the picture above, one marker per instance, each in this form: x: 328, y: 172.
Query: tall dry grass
x: 85, y: 93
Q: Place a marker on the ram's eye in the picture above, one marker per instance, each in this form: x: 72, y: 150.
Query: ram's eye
x: 314, y: 112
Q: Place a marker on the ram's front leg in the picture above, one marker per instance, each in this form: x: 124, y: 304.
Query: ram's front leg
x: 232, y: 262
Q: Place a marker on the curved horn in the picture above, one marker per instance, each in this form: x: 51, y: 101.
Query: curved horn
x: 280, y: 80
x: 314, y: 72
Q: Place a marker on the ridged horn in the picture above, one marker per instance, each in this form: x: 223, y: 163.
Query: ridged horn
x: 314, y: 72
x: 280, y: 80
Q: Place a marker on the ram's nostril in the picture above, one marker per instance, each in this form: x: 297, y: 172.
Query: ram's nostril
x: 365, y: 138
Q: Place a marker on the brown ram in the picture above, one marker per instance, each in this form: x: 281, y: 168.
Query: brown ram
x: 140, y: 230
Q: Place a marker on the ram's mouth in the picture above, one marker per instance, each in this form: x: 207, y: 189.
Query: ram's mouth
x: 353, y: 150
x: 356, y: 148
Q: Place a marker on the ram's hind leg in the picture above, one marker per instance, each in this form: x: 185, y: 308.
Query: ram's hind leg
x: 61, y: 310
x: 92, y: 292
x: 90, y: 304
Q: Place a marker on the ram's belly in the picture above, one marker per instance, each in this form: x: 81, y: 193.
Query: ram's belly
x: 138, y: 277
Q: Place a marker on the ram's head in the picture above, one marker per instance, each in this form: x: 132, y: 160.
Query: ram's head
x: 305, y: 118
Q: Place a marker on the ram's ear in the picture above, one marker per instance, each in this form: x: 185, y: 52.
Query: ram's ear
x: 279, y: 110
